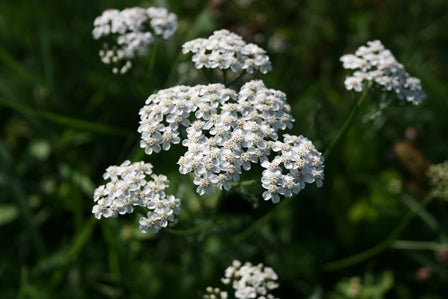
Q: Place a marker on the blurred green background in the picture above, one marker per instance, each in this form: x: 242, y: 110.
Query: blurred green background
x: 64, y: 117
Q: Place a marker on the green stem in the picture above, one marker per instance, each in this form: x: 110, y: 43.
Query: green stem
x: 237, y: 78
x: 224, y: 77
x: 152, y: 58
x: 191, y: 231
x: 347, y: 122
x: 243, y: 183
x: 137, y: 153
x: 206, y: 73
x: 260, y: 222
x: 417, y: 245
x: 375, y: 250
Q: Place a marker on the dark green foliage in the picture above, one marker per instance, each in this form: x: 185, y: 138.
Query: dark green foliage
x: 64, y: 117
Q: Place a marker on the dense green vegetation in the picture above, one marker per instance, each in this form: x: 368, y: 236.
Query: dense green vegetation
x: 372, y: 231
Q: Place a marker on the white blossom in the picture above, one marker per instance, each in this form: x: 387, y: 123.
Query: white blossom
x: 163, y: 22
x: 296, y: 164
x: 132, y: 30
x: 226, y: 50
x: 377, y: 64
x: 250, y: 281
x: 135, y: 185
x: 230, y: 131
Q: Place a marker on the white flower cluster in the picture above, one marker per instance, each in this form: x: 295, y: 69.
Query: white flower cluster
x: 376, y: 63
x: 230, y: 131
x: 250, y: 281
x: 303, y: 163
x: 128, y: 187
x: 130, y: 30
x: 227, y: 50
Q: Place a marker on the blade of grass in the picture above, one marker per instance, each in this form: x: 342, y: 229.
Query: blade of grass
x: 378, y: 248
x: 78, y: 243
x: 47, y: 60
x: 417, y: 208
x: 113, y: 252
x: 9, y: 62
x: 45, y: 47
x: 66, y: 120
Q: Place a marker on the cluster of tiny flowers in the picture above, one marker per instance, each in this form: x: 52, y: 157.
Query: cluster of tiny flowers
x: 230, y: 131
x: 135, y: 185
x: 438, y: 179
x: 303, y: 163
x: 375, y: 63
x: 250, y: 281
x: 130, y: 30
x: 226, y: 50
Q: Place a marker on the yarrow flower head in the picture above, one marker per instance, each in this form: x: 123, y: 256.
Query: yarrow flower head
x: 248, y: 281
x: 297, y: 162
x: 133, y: 185
x: 131, y: 31
x: 226, y: 50
x: 226, y: 132
x: 375, y: 63
x: 438, y: 179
